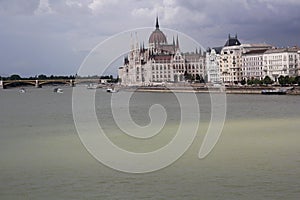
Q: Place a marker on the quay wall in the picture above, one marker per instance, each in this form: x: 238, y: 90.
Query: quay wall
x: 228, y: 90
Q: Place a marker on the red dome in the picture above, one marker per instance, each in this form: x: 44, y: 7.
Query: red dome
x: 157, y: 36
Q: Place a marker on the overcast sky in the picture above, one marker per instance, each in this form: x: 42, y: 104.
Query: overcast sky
x: 54, y: 36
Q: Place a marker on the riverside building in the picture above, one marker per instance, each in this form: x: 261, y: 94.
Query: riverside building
x: 298, y: 68
x: 161, y: 62
x: 212, y: 64
x: 281, y: 62
x: 241, y: 61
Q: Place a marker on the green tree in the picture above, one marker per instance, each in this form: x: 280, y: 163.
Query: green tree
x: 15, y: 77
x: 250, y: 82
x: 297, y: 80
x: 243, y: 82
x: 292, y: 80
x: 197, y: 77
x: 193, y: 78
x: 202, y: 80
x: 187, y: 76
x: 287, y: 80
x: 42, y: 77
x: 256, y: 82
x: 281, y: 80
x: 267, y: 80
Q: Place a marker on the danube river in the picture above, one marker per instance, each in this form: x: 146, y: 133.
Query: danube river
x: 42, y: 157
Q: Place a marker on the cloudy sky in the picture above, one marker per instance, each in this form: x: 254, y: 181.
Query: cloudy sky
x: 54, y: 36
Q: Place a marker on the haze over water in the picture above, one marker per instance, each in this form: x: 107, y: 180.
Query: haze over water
x: 42, y: 157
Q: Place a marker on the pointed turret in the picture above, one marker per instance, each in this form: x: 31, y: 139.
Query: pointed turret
x: 136, y: 42
x: 157, y: 24
x: 177, y: 42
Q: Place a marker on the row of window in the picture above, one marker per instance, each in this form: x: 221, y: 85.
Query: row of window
x: 249, y: 74
x: 161, y: 76
x: 176, y: 66
x: 253, y: 64
x: 252, y: 68
x: 260, y: 58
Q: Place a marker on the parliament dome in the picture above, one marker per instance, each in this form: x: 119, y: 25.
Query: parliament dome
x: 157, y: 36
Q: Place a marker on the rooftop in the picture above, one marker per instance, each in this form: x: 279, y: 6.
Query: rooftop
x: 232, y: 41
x: 282, y: 50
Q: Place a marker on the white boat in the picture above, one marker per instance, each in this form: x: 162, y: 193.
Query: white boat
x: 92, y: 86
x: 274, y: 92
x: 58, y: 90
x: 111, y: 90
x: 22, y: 90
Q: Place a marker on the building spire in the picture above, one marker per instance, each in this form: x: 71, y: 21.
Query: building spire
x: 177, y: 42
x: 157, y: 25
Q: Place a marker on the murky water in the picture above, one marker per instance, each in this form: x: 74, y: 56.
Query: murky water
x: 41, y: 156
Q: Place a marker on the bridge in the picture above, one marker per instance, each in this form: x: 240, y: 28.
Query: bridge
x: 38, y: 83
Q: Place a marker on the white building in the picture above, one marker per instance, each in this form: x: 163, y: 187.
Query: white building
x: 253, y: 65
x: 234, y: 68
x: 281, y: 62
x: 298, y: 68
x: 231, y: 61
x: 161, y: 62
x: 212, y: 65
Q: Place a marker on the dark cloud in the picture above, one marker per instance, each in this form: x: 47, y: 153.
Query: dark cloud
x: 17, y: 7
x: 275, y: 22
x: 60, y: 32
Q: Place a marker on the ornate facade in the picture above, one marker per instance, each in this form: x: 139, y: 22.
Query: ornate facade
x: 212, y: 65
x: 161, y: 62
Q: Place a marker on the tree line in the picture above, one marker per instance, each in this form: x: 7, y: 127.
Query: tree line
x: 282, y: 80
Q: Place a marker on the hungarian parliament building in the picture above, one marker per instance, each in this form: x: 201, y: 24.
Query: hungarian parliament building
x: 162, y: 62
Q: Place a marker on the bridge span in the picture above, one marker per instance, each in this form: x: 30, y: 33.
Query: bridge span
x: 39, y: 82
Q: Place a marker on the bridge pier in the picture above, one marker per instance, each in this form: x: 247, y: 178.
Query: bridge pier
x: 37, y: 84
x: 72, y: 84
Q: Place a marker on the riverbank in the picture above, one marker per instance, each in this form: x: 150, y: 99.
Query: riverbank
x: 210, y: 89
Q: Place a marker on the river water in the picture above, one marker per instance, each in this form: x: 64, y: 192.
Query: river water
x: 42, y: 157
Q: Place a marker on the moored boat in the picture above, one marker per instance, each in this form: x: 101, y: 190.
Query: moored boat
x: 274, y: 92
